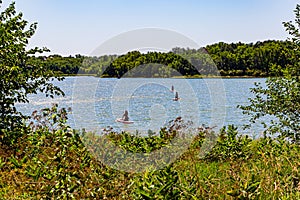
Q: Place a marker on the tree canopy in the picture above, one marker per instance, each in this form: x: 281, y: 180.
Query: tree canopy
x: 18, y: 77
x: 258, y: 59
x: 281, y: 97
x: 152, y: 64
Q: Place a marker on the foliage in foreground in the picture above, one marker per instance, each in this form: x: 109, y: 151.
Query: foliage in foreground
x: 280, y: 99
x: 18, y: 79
x: 51, y: 162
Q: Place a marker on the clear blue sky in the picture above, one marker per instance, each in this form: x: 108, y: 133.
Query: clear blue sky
x: 70, y: 27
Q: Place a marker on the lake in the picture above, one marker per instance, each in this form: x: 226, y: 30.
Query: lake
x: 97, y: 102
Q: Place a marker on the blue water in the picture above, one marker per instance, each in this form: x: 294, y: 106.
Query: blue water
x: 98, y: 102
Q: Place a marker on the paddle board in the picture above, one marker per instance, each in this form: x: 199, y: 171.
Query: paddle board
x: 124, y: 122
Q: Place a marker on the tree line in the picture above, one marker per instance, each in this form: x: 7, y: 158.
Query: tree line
x: 258, y: 59
x: 42, y: 157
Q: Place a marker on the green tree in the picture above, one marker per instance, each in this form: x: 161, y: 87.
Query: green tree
x: 281, y: 96
x: 18, y: 78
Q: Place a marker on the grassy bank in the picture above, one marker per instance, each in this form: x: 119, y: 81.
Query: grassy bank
x: 53, y: 162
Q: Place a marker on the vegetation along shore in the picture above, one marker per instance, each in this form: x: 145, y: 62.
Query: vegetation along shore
x: 41, y: 157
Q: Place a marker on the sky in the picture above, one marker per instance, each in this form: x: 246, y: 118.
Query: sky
x: 70, y: 27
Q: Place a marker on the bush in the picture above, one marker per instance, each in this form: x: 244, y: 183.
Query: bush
x: 230, y: 146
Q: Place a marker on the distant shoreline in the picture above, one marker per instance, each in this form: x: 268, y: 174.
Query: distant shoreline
x: 174, y: 77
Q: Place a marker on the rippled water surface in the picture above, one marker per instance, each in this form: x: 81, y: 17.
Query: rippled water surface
x: 98, y: 102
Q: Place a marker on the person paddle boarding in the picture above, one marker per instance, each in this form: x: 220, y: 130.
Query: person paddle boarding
x: 124, y: 119
x: 125, y: 116
x: 176, y: 97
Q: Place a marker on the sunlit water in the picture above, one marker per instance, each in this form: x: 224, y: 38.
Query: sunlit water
x: 97, y: 102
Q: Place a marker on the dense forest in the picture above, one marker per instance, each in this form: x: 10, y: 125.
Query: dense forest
x: 152, y: 64
x: 235, y: 59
